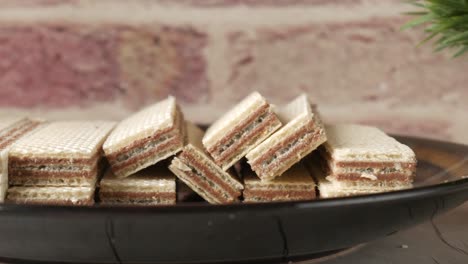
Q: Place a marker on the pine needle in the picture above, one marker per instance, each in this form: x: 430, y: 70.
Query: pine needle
x: 445, y: 19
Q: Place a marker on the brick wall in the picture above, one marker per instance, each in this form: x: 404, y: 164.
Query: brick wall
x: 105, y: 59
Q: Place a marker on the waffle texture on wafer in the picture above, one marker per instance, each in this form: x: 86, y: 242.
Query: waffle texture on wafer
x: 294, y: 184
x: 361, y: 159
x: 11, y: 129
x: 238, y: 131
x: 145, y: 138
x: 196, y: 169
x: 303, y: 132
x: 51, y: 195
x: 154, y: 185
x: 59, y: 154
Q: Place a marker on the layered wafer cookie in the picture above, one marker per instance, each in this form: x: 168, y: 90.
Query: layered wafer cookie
x: 154, y: 185
x: 51, y: 195
x: 363, y: 158
x: 302, y: 133
x: 196, y: 169
x: 328, y: 188
x: 295, y: 184
x: 242, y: 128
x: 11, y: 129
x: 145, y: 138
x: 59, y: 154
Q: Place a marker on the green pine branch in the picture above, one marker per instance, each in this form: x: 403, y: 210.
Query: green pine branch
x: 445, y: 20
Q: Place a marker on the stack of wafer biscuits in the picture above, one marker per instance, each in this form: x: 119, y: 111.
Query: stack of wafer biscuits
x: 154, y: 185
x: 11, y: 129
x: 58, y: 163
x: 302, y: 133
x: 362, y: 159
x: 151, y: 135
x: 148, y: 152
x: 242, y: 128
x: 196, y: 169
x: 135, y: 151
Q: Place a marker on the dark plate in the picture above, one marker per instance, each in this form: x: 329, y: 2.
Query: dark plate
x: 197, y: 232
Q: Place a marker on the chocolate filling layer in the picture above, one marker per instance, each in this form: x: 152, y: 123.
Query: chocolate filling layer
x: 138, y: 201
x: 199, y: 185
x: 147, y: 158
x: 254, y: 195
x: 359, y: 164
x: 281, y: 157
x: 381, y: 177
x: 147, y: 196
x: 247, y: 139
x: 54, y: 181
x: 218, y: 146
x: 209, y: 173
x: 14, y: 161
x: 147, y: 151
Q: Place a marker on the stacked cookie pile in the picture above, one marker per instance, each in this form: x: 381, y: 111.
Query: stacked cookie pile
x: 256, y: 152
x: 58, y: 163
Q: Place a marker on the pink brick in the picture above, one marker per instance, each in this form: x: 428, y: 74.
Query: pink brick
x: 67, y: 58
x: 56, y: 66
x: 158, y: 61
x: 370, y: 60
x: 66, y: 65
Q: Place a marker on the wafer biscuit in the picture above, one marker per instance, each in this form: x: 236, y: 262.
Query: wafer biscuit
x: 242, y: 128
x: 51, y: 195
x: 361, y: 159
x: 363, y: 153
x: 295, y: 184
x: 11, y: 129
x: 196, y: 169
x: 154, y: 185
x: 143, y: 139
x: 59, y: 154
x: 302, y: 133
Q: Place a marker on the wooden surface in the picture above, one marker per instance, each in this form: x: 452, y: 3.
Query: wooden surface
x: 442, y: 241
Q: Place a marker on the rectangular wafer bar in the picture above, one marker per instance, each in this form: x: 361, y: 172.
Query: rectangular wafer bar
x: 11, y: 129
x: 242, y: 128
x: 295, y: 184
x: 363, y: 153
x: 362, y: 159
x: 67, y: 153
x: 145, y: 138
x: 303, y: 132
x: 196, y: 169
x: 51, y: 195
x: 154, y: 185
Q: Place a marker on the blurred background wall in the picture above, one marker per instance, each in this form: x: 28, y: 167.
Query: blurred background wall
x: 104, y: 59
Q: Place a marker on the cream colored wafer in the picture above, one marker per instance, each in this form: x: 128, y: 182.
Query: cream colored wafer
x: 51, y: 195
x: 363, y: 153
x: 145, y: 138
x: 349, y: 142
x: 65, y: 140
x: 196, y: 169
x: 66, y: 153
x: 242, y: 128
x: 302, y: 133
